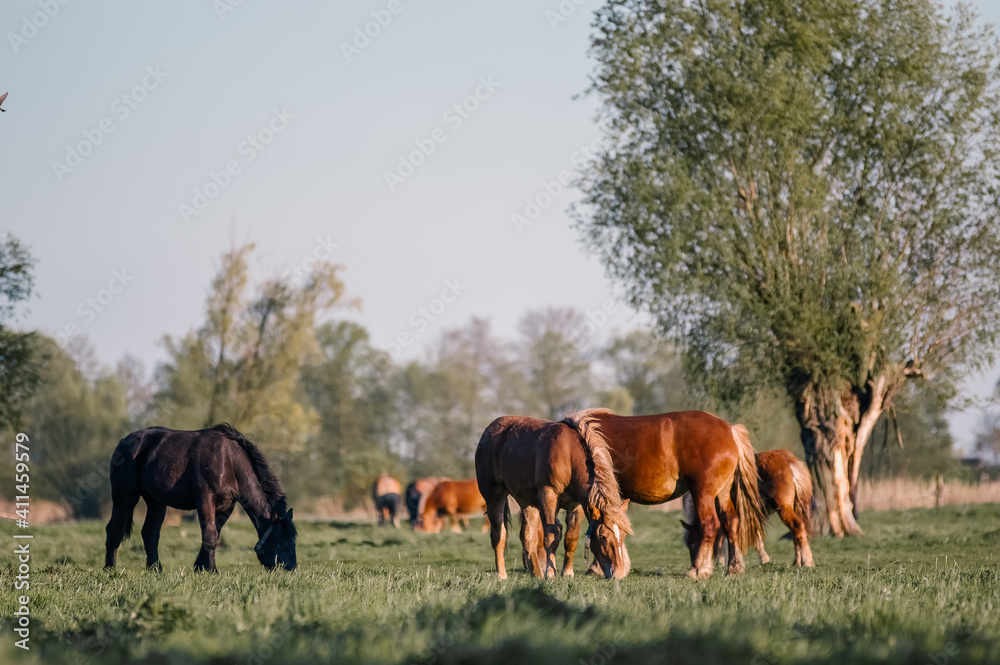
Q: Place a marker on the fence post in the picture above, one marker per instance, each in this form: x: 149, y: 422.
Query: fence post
x: 938, y: 489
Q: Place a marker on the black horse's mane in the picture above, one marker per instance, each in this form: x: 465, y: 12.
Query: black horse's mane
x: 262, y: 469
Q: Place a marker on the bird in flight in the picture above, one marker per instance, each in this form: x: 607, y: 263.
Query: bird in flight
x: 3, y: 98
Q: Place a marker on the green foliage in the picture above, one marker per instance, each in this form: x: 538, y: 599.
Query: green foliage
x: 928, y: 448
x: 74, y: 420
x: 921, y: 587
x: 650, y: 370
x: 554, y: 363
x: 242, y: 365
x: 804, y: 191
x: 20, y: 359
x: 350, y: 389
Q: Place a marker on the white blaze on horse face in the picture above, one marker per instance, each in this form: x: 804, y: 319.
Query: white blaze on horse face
x: 618, y: 540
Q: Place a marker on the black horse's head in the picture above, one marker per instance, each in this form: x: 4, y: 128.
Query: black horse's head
x: 276, y: 546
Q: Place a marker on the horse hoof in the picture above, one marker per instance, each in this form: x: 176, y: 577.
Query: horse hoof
x: 692, y: 573
x: 568, y: 573
x: 737, y: 570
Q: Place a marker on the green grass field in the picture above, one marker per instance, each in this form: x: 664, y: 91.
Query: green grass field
x: 920, y: 587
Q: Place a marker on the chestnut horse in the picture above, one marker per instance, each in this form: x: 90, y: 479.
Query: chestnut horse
x: 455, y: 498
x: 210, y: 470
x: 416, y: 492
x: 786, y: 488
x: 547, y: 466
x: 386, y: 495
x: 662, y: 457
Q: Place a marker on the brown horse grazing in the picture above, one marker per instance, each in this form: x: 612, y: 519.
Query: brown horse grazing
x: 209, y: 470
x: 658, y: 458
x: 386, y: 495
x: 547, y: 466
x: 455, y: 498
x: 416, y: 492
x: 786, y: 488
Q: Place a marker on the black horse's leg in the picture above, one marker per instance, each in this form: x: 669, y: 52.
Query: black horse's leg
x: 119, y: 526
x: 155, y: 512
x: 209, y: 535
x: 221, y: 517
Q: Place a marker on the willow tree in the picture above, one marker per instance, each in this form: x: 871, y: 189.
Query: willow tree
x: 804, y: 192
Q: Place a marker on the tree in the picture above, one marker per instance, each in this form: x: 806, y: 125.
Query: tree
x: 470, y: 377
x: 75, y: 422
x: 242, y: 365
x: 804, y: 193
x: 20, y: 363
x: 554, y: 360
x: 916, y: 442
x: 650, y: 370
x: 350, y: 389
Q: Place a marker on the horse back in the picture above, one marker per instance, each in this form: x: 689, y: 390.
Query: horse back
x: 656, y: 456
x: 175, y: 467
x: 519, y: 455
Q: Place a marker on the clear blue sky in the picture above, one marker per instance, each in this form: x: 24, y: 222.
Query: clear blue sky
x: 197, y: 86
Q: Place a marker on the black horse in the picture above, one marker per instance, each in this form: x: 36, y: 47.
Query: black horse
x: 413, y: 503
x: 210, y: 470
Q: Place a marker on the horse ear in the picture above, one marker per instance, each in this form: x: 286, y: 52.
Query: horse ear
x: 595, y: 513
x: 287, y: 516
x: 687, y: 527
x: 625, y: 504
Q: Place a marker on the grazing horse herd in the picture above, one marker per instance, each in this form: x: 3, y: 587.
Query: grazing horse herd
x: 592, y: 464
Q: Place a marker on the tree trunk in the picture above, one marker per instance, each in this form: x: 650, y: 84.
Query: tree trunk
x: 835, y: 431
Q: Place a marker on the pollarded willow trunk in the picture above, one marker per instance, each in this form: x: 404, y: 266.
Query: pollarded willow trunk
x: 835, y: 430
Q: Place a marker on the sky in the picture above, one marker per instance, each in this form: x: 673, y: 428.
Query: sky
x: 396, y: 138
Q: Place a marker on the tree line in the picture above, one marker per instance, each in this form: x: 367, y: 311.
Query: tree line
x: 278, y: 359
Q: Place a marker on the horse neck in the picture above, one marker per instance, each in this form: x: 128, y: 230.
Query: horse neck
x: 254, y: 502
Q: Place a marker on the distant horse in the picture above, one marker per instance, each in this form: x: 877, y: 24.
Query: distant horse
x: 416, y: 492
x: 786, y: 488
x: 455, y: 498
x: 547, y: 466
x: 209, y: 470
x: 386, y: 495
x: 658, y: 458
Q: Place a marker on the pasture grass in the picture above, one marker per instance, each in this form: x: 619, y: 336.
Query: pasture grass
x: 922, y: 586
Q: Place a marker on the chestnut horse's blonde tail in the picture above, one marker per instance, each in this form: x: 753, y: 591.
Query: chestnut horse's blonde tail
x: 747, y: 502
x: 802, y: 480
x: 604, y: 492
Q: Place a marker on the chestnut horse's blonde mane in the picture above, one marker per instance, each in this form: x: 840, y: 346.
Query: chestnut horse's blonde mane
x: 604, y: 493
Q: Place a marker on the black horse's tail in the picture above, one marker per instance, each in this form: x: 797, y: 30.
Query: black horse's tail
x: 261, y: 468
